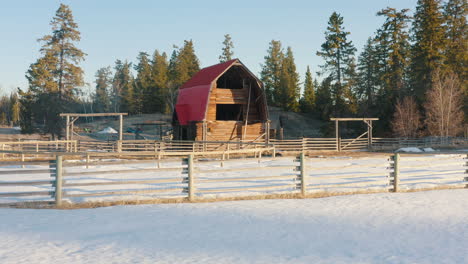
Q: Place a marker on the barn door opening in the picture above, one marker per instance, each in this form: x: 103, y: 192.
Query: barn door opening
x: 229, y: 112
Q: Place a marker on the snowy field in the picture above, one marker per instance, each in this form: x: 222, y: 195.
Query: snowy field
x: 421, y: 227
x: 239, y: 177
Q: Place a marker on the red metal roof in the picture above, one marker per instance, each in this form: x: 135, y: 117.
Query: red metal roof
x: 193, y: 97
x: 207, y: 75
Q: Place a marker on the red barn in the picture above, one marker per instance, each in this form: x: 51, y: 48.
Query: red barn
x: 222, y: 102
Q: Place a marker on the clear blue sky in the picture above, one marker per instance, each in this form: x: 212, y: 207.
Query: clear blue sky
x: 120, y: 29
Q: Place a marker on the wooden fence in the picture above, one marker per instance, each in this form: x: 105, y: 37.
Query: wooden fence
x: 396, y: 143
x: 293, y: 145
x: 194, y: 177
x: 40, y: 145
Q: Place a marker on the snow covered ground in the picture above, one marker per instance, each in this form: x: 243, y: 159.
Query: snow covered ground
x: 422, y: 227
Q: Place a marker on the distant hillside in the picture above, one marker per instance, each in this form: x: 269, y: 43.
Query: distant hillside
x: 295, y: 125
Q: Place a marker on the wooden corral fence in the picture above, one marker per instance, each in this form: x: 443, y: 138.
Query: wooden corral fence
x: 396, y: 143
x: 38, y: 146
x: 293, y: 145
x: 68, y: 176
x: 192, y: 146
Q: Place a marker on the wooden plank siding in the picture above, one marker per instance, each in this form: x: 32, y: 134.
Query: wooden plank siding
x: 230, y: 130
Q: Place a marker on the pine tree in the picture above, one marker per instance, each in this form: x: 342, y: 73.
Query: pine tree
x: 271, y: 71
x: 350, y: 84
x: 27, y: 114
x: 102, y: 101
x: 56, y: 76
x: 159, y: 73
x: 228, y: 46
x: 183, y: 64
x: 172, y: 83
x: 187, y: 63
x: 143, y: 84
x: 392, y: 44
x: 456, y: 53
x: 61, y: 45
x: 323, y: 102
x: 15, y: 108
x: 368, y: 77
x: 428, y: 45
x: 289, y: 91
x: 338, y: 54
x: 398, y: 49
x: 123, y: 87
x: 307, y: 102
x: 116, y: 92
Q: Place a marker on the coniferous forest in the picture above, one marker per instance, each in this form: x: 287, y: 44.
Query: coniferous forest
x: 411, y: 73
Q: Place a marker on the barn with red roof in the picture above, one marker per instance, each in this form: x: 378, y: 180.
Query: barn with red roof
x: 222, y: 102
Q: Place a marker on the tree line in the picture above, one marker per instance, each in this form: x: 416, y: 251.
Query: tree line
x: 405, y: 67
x: 417, y: 61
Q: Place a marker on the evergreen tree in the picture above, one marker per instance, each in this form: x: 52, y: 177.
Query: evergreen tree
x: 368, y: 77
x: 183, y: 64
x: 338, y: 54
x: 172, y: 71
x: 116, y: 92
x: 27, y: 114
x: 15, y: 108
x: 159, y: 73
x: 187, y: 63
x: 323, y: 101
x: 393, y: 46
x: 428, y: 45
x: 55, y: 77
x: 289, y: 91
x: 228, y: 46
x: 307, y: 102
x: 102, y: 101
x: 143, y: 84
x: 398, y: 49
x: 456, y: 52
x: 123, y: 87
x: 172, y: 83
x: 350, y: 84
x: 271, y: 71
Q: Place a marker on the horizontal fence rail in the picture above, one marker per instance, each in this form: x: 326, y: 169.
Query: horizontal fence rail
x: 71, y: 177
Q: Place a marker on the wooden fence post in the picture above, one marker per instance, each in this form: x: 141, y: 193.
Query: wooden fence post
x: 119, y: 146
x: 466, y: 171
x: 58, y: 180
x: 302, y: 176
x: 22, y: 160
x: 394, y: 174
x: 159, y: 160
x: 87, y: 160
x: 190, y: 176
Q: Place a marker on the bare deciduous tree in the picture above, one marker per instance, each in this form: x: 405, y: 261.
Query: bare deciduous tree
x: 406, y: 119
x: 444, y: 105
